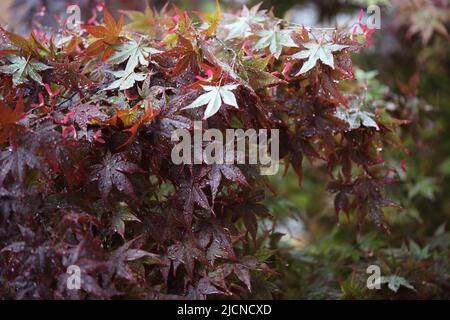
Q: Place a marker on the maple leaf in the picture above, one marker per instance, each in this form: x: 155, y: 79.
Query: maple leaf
x: 108, y: 35
x: 124, y: 118
x: 84, y: 114
x: 249, y: 211
x: 9, y: 119
x: 203, y: 288
x: 169, y: 121
x: 394, y: 282
x: 31, y: 46
x: 124, y: 254
x: 20, y: 68
x: 239, y: 29
x: 355, y: 117
x: 187, y: 55
x: 69, y: 162
x: 221, y: 244
x: 243, y: 273
x: 330, y: 87
x: 214, y: 98
x: 191, y: 193
x: 148, y: 116
x: 69, y: 72
x: 141, y: 21
x: 242, y: 269
x: 424, y: 18
x: 224, y: 59
x: 316, y: 51
x: 17, y: 160
x: 111, y: 173
x: 242, y: 27
x: 186, y: 253
x: 126, y: 80
x: 275, y: 40
x: 136, y: 54
x: 211, y: 19
x: 230, y: 172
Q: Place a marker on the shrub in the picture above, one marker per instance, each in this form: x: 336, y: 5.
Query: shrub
x: 86, y: 178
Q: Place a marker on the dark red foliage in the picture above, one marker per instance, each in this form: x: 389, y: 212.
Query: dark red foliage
x: 86, y: 176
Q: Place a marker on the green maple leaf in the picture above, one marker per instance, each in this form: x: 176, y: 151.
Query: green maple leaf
x: 241, y: 28
x: 21, y: 68
x: 141, y: 21
x: 136, y: 53
x: 275, y: 40
x: 126, y: 79
x: 355, y: 117
x: 213, y: 98
x: 394, y: 282
x: 254, y: 72
x: 317, y: 51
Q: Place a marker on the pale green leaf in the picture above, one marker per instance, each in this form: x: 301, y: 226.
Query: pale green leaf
x: 317, y: 51
x: 241, y: 28
x: 136, y: 54
x: 394, y: 282
x: 355, y: 117
x: 214, y: 104
x: 126, y: 80
x: 214, y: 97
x: 20, y: 68
x: 275, y: 40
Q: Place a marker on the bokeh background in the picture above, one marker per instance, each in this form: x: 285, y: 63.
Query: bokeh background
x: 316, y: 254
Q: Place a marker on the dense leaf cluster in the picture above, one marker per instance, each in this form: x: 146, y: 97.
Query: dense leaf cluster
x: 86, y: 177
